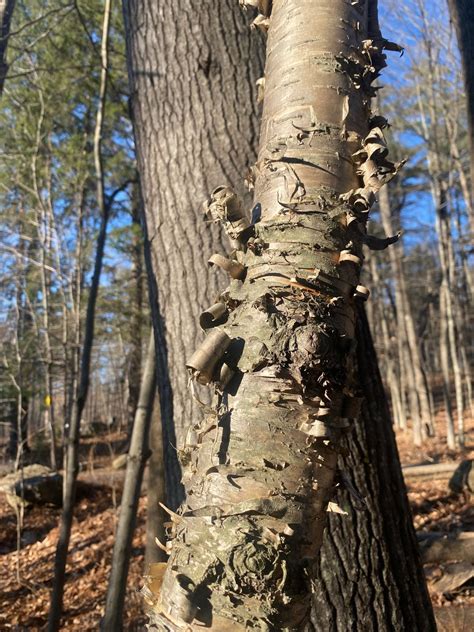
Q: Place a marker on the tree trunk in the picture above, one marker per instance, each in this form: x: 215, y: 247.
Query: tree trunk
x: 462, y: 15
x: 378, y: 585
x: 148, y: 139
x: 155, y: 492
x: 48, y: 354
x: 438, y: 548
x: 444, y: 361
x: 255, y: 512
x: 80, y: 397
x: 6, y: 12
x: 136, y: 461
x: 194, y: 110
x: 136, y: 317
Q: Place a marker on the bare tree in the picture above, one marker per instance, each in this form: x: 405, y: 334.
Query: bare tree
x: 422, y: 420
x: 80, y: 396
x: 449, y: 340
x: 138, y: 454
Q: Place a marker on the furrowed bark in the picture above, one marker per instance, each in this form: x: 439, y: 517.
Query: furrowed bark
x: 195, y: 112
x: 371, y: 577
x: 462, y: 15
x: 260, y: 471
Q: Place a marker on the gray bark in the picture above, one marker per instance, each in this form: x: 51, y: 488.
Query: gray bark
x: 462, y: 15
x: 195, y: 118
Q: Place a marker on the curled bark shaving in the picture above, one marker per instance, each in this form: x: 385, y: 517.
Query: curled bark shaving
x: 235, y: 269
x: 263, y: 6
x: 213, y: 315
x: 260, y: 469
x: 225, y: 207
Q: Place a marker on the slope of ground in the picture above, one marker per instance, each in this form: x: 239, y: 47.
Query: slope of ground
x: 26, y: 576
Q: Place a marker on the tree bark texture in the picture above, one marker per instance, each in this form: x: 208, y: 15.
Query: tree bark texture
x: 155, y: 492
x: 260, y: 470
x: 370, y: 576
x: 195, y: 118
x: 462, y: 15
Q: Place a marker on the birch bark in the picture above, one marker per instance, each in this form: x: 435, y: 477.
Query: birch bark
x: 246, y: 540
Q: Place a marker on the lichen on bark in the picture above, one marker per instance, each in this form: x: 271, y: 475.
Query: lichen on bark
x: 260, y: 469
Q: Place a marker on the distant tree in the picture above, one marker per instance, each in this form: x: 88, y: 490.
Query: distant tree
x: 80, y: 395
x: 431, y: 205
x: 138, y: 454
x: 48, y: 192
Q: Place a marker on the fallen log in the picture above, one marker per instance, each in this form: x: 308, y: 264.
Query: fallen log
x: 35, y: 484
x: 437, y: 547
x: 433, y: 470
x: 453, y: 578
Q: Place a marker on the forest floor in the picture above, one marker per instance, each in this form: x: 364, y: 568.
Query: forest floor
x: 26, y: 576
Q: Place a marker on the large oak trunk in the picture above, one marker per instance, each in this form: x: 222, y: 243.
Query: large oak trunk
x: 195, y: 119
